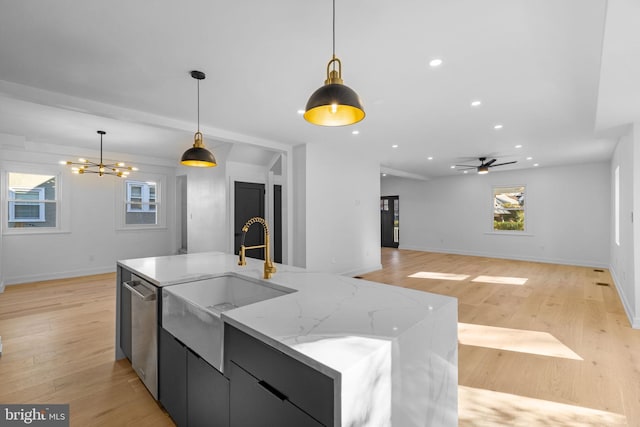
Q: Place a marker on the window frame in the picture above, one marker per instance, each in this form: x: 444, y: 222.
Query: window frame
x: 123, y: 203
x: 525, y: 229
x: 63, y: 206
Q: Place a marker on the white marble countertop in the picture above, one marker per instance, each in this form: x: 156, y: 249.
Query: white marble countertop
x: 344, y: 327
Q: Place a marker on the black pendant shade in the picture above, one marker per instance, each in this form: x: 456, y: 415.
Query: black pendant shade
x: 198, y: 155
x: 334, y: 104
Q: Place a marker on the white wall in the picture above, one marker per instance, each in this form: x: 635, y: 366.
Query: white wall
x: 91, y: 243
x: 567, y: 214
x: 207, y: 205
x: 624, y: 266
x: 341, y: 213
x: 299, y: 238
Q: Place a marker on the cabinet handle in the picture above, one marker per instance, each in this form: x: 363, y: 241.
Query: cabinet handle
x: 277, y: 393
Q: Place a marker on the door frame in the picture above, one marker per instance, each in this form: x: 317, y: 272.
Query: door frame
x: 231, y: 184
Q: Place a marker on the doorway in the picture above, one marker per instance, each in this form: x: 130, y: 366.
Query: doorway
x: 390, y: 221
x: 249, y: 202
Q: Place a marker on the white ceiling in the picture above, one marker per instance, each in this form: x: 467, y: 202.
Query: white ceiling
x: 69, y: 68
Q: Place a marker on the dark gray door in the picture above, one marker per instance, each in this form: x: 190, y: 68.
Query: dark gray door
x: 249, y: 202
x: 277, y: 223
x: 390, y: 221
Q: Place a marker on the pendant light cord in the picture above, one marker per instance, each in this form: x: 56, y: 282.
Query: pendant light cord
x: 198, y: 105
x: 100, y: 149
x: 334, y: 34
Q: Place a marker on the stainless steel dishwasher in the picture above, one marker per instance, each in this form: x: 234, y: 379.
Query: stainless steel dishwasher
x: 144, y: 331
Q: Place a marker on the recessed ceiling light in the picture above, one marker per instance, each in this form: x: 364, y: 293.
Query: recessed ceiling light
x: 452, y: 166
x: 436, y: 62
x: 430, y: 158
x: 466, y: 172
x: 394, y: 146
x: 519, y: 146
x: 355, y: 132
x: 529, y: 158
x: 300, y: 111
x: 536, y: 164
x: 476, y: 103
x: 384, y: 174
x: 498, y: 126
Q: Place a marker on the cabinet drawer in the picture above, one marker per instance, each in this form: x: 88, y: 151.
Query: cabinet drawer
x: 308, y: 389
x: 253, y: 405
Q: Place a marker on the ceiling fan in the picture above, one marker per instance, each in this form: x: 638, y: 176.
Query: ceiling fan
x: 484, y: 167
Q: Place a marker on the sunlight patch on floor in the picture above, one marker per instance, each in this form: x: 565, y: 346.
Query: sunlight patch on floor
x: 480, y: 408
x: 501, y: 280
x: 522, y: 341
x: 439, y: 276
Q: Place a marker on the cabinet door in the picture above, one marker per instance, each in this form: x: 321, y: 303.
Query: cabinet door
x: 254, y: 403
x: 173, y: 377
x: 207, y: 394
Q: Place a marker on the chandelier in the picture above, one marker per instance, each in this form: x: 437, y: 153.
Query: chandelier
x: 83, y: 166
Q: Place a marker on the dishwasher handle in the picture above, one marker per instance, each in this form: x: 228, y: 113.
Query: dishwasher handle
x: 138, y: 289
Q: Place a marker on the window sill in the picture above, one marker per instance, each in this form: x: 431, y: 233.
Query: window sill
x: 142, y: 228
x: 31, y: 231
x: 510, y: 233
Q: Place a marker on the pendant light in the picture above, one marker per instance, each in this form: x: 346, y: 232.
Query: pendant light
x: 198, y: 155
x: 83, y: 166
x: 334, y: 104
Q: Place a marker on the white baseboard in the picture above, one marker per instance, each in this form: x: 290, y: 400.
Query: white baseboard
x: 633, y: 320
x: 576, y: 262
x: 363, y: 270
x: 59, y: 275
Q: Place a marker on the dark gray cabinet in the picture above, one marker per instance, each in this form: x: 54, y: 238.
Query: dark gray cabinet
x: 278, y: 389
x: 207, y: 394
x: 193, y: 392
x: 172, y: 377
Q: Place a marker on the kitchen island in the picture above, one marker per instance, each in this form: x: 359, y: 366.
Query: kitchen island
x: 389, y: 353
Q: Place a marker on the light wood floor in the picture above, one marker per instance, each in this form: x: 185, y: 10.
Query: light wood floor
x: 577, y: 361
x: 554, y: 351
x: 58, y: 347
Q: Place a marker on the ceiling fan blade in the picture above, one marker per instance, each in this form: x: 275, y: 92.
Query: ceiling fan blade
x: 465, y: 166
x: 502, y: 164
x: 490, y: 162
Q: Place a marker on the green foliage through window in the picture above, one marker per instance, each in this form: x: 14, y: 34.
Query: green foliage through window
x: 508, y: 208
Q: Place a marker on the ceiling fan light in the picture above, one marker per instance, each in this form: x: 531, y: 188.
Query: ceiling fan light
x: 482, y: 170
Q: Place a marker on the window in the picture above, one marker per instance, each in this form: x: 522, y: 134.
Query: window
x: 508, y: 208
x: 31, y: 201
x: 141, y: 203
